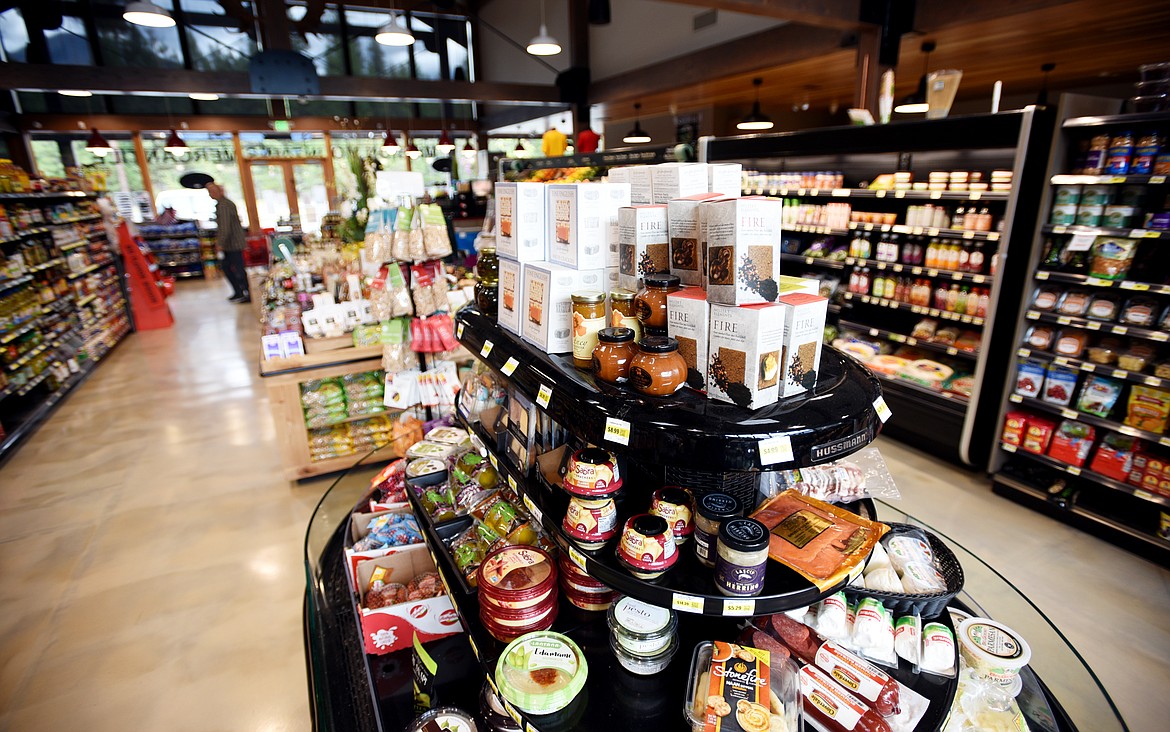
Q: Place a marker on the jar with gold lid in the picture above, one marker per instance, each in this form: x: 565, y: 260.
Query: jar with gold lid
x: 650, y: 302
x: 588, y: 318
x: 658, y: 369
x: 622, y: 315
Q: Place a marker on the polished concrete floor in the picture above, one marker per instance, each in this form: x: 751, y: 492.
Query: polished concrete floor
x: 152, y: 554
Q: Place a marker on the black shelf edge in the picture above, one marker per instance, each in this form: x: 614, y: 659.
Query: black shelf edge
x: 1106, y: 424
x: 1127, y: 233
x: 686, y: 430
x: 919, y: 271
x: 945, y: 399
x: 1094, y: 368
x: 1135, y: 118
x: 1044, y: 275
x: 911, y: 195
x: 812, y: 261
x: 1102, y: 480
x: 1098, y: 326
x: 971, y: 320
x: 906, y: 340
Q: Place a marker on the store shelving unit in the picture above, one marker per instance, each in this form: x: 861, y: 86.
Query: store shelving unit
x: 522, y: 168
x: 177, y: 248
x: 947, y: 424
x: 1119, y: 511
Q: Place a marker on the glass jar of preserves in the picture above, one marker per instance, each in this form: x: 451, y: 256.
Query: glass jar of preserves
x: 487, y: 294
x: 615, y: 350
x: 742, y: 557
x: 711, y: 511
x: 650, y: 302
x: 588, y: 318
x: 658, y: 369
x: 487, y: 267
x: 621, y: 305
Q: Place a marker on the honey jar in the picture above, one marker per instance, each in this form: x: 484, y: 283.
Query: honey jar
x: 615, y: 349
x: 658, y: 369
x: 588, y: 318
x: 650, y: 302
x: 621, y: 306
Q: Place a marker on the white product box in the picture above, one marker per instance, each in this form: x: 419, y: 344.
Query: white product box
x: 745, y: 354
x: 725, y: 178
x: 678, y: 180
x: 743, y: 250
x: 511, y: 295
x: 520, y: 222
x: 581, y: 217
x: 612, y: 281
x: 643, y: 244
x: 548, y: 305
x: 688, y: 245
x: 392, y: 628
x: 688, y: 322
x: 804, y: 334
x: 618, y: 175
x: 641, y: 185
x: 794, y: 285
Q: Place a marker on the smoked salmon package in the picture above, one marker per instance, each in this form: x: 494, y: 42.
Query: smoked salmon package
x: 822, y: 542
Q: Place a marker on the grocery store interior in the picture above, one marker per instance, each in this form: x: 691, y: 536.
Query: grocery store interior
x: 498, y: 365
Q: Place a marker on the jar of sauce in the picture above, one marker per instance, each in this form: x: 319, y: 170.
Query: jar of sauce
x: 742, y: 557
x: 621, y: 305
x: 650, y: 302
x: 487, y: 266
x: 588, y: 318
x: 658, y: 369
x: 711, y: 511
x: 487, y: 296
x: 615, y: 350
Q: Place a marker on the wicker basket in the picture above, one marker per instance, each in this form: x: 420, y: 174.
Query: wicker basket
x: 742, y: 485
x: 928, y: 606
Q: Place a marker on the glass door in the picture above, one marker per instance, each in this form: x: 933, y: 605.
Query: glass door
x: 312, y: 197
x: 271, y: 187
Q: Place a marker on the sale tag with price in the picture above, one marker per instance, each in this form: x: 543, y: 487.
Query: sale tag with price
x: 510, y: 366
x: 459, y: 331
x: 883, y: 409
x: 775, y: 449
x: 487, y: 349
x: 617, y: 430
x: 544, y: 396
x: 739, y: 607
x: 533, y: 508
x: 576, y: 557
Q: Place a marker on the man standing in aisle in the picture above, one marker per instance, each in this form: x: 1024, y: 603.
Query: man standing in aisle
x: 229, y: 237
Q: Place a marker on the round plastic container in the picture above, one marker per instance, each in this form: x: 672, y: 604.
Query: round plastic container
x: 677, y: 506
x: 641, y: 629
x: 582, y: 588
x: 541, y: 673
x: 643, y: 665
x: 593, y: 602
x: 509, y: 628
x: 447, y: 718
x: 591, y: 522
x: 491, y: 710
x: 592, y: 473
x: 993, y: 651
x: 517, y: 577
x: 647, y: 546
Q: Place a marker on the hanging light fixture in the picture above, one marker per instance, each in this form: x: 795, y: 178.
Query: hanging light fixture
x: 543, y: 44
x: 445, y: 144
x: 203, y: 97
x: 916, y: 103
x: 637, y: 135
x: 468, y: 151
x: 390, y: 144
x: 147, y: 14
x: 756, y: 120
x: 175, y: 145
x: 98, y: 145
x: 74, y: 93
x: 521, y: 148
x: 412, y: 150
x: 395, y: 33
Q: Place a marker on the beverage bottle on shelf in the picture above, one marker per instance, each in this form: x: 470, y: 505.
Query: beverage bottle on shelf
x: 924, y: 290
x: 854, y: 281
x: 1144, y: 154
x: 932, y: 254
x: 900, y: 290
x: 965, y: 305
x: 879, y: 281
x: 889, y: 288
x: 964, y: 263
x: 863, y: 281
x: 867, y: 247
x: 1120, y: 154
x: 983, y: 303
x: 984, y: 220
x: 940, y: 297
x: 952, y: 298
x: 976, y: 258
x: 994, y: 263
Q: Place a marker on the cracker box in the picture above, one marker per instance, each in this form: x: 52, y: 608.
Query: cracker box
x: 726, y: 179
x: 612, y: 280
x: 688, y: 322
x: 619, y: 174
x: 511, y: 295
x: 738, y: 694
x: 581, y: 219
x: 547, y: 312
x: 520, y: 221
x: 745, y: 354
x: 641, y: 185
x: 643, y: 244
x: 688, y: 245
x: 677, y: 180
x: 804, y: 333
x: 392, y: 628
x: 743, y: 250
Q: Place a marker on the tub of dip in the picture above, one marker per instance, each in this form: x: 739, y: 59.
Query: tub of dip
x: 993, y: 651
x: 516, y: 578
x: 641, y: 629
x: 505, y: 626
x: 445, y: 718
x: 541, y: 673
x: 644, y: 665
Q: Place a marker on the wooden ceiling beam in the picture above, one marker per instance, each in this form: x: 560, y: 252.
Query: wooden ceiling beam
x: 835, y: 14
x: 218, y: 123
x: 932, y: 15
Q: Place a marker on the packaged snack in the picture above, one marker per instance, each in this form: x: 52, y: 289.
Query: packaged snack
x: 1074, y: 303
x: 1104, y: 307
x: 739, y: 676
x: 1105, y: 352
x: 1114, y: 458
x: 1148, y: 408
x: 925, y: 329
x: 1136, y: 357
x: 436, y: 241
x: 1140, y: 311
x: 1029, y: 377
x: 1040, y: 337
x: 1038, y: 434
x: 1046, y: 298
x: 1164, y: 321
x: 1059, y: 385
x: 947, y: 336
x: 969, y: 340
x: 1071, y: 442
x: 1071, y: 343
x: 1098, y: 396
x: 1014, y: 426
x: 963, y: 384
x: 1162, y: 369
x: 1111, y: 258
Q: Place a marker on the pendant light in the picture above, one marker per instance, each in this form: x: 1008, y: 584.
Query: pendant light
x: 74, y: 93
x: 98, y: 145
x: 147, y: 14
x: 637, y: 135
x: 412, y: 150
x: 468, y: 151
x: 175, y: 145
x: 445, y: 145
x: 395, y: 33
x: 543, y: 44
x: 203, y: 97
x: 756, y: 120
x: 390, y: 144
x: 916, y: 102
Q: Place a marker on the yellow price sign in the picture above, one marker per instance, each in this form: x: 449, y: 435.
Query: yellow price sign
x: 459, y: 331
x: 617, y: 430
x: 882, y: 409
x: 739, y: 607
x: 510, y: 366
x: 487, y: 349
x: 775, y: 449
x: 686, y: 603
x: 544, y: 396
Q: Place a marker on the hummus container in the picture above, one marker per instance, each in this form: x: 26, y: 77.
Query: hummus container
x: 426, y: 469
x: 568, y: 583
x: 449, y: 719
x: 541, y: 673
x: 993, y: 651
x: 591, y: 601
x: 446, y: 435
x: 644, y: 665
x: 491, y: 710
x: 513, y: 627
x: 676, y: 505
x: 592, y: 473
x: 641, y: 629
x: 590, y: 522
x: 516, y: 578
x: 647, y: 547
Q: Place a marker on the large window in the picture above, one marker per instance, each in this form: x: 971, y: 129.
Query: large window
x: 13, y: 35
x: 208, y: 152
x: 215, y: 39
x: 127, y: 44
x: 325, y: 45
x: 54, y: 153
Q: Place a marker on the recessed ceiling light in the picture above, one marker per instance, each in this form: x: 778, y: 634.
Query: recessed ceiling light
x: 147, y: 14
x: 74, y: 93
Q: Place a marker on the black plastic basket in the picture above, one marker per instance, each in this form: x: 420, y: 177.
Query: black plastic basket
x: 742, y: 485
x: 928, y: 606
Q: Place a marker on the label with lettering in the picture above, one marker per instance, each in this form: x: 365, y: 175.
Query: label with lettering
x: 883, y: 409
x: 775, y: 449
x: 686, y: 603
x: 510, y: 366
x: 543, y: 396
x: 617, y: 430
x: 487, y: 349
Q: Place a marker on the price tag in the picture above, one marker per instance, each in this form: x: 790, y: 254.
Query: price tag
x: 994, y: 236
x: 1120, y: 330
x: 916, y: 230
x: 1016, y: 398
x: 917, y: 309
x: 1140, y: 286
x: 898, y: 337
x: 966, y: 319
x: 576, y: 557
x: 1116, y: 179
x: 1008, y: 447
x: 543, y: 396
x: 1085, y: 366
x: 976, y: 195
x: 814, y: 192
x: 1151, y: 234
x: 869, y: 227
x: 935, y: 195
x: 529, y: 728
x: 775, y: 449
x: 511, y: 710
x: 1159, y: 336
x: 1023, y: 353
x: 808, y: 260
x: 932, y: 232
x: 459, y: 331
x: 968, y: 234
x: 1064, y: 320
x: 873, y: 331
x: 883, y: 409
x: 493, y: 460
x: 879, y: 194
x: 686, y: 603
x: 1153, y: 381
x: 1073, y: 470
x: 487, y: 348
x: 1098, y: 282
x: 1092, y: 325
x: 911, y: 340
x: 932, y: 273
x: 617, y: 430
x: 771, y: 191
x: 492, y: 683
x: 916, y: 270
x: 1067, y: 413
x: 1157, y: 180
x: 1164, y: 441
x: 841, y: 192
x: 739, y: 607
x: 1061, y: 361
x: 1119, y: 374
x: 1143, y: 494
x: 512, y: 484
x: 956, y: 275
x: 533, y: 508
x: 1127, y: 430
x: 474, y: 648
x: 510, y: 366
x: 935, y: 312
x: 1059, y: 229
x: 1041, y: 275
x: 952, y: 351
x: 1081, y: 242
x: 881, y: 265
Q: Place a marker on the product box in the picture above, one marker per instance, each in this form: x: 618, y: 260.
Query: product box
x: 743, y: 250
x: 744, y: 361
x: 619, y: 174
x: 678, y: 180
x: 1015, y: 424
x: 548, y: 305
x: 725, y: 179
x: 795, y: 285
x: 688, y: 243
x: 510, y: 295
x: 1038, y: 434
x: 643, y: 244
x: 392, y: 628
x: 1114, y: 457
x: 641, y: 185
x: 520, y: 221
x: 804, y: 334
x: 1071, y: 443
x: 688, y: 322
x: 581, y: 217
x: 358, y: 529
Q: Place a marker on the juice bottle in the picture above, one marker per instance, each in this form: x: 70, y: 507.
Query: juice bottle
x: 952, y: 298
x: 983, y: 303
x: 940, y: 297
x: 889, y: 288
x: 932, y: 254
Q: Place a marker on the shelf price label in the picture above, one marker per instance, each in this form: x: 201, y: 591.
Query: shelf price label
x: 841, y: 192
x: 617, y: 430
x: 544, y: 396
x: 510, y: 366
x: 492, y: 459
x: 1120, y: 330
x: 739, y: 607
x: 976, y: 195
x: 474, y: 648
x: 879, y: 194
x: 1092, y: 325
x: 492, y: 683
x: 511, y: 710
x: 459, y: 331
x: 1164, y: 441
x: 1153, y: 381
x: 512, y: 483
x: 533, y: 508
x: 968, y: 234
x: 1139, y: 286
x: 1068, y: 413
x: 1120, y: 374
x: 1081, y: 242
x: 576, y: 557
x: 1073, y: 470
x: 1157, y: 180
x: 686, y: 603
x: 1143, y: 494
x: 1098, y: 282
x: 775, y: 449
x: 1008, y: 447
x: 1023, y: 352
x: 935, y: 195
x: 1159, y: 336
x: 487, y: 349
x: 882, y: 409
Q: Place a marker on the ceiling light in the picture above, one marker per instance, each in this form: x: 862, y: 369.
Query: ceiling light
x: 756, y: 120
x: 175, y: 145
x: 147, y: 14
x: 74, y: 93
x: 98, y: 145
x: 543, y: 44
x: 412, y: 150
x: 445, y: 145
x: 637, y: 135
x: 468, y: 150
x: 916, y: 103
x: 394, y: 33
x: 203, y: 97
x: 390, y: 144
